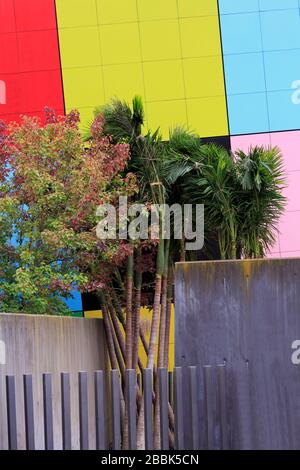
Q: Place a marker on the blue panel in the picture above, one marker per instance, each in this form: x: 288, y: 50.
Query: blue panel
x: 284, y: 114
x: 238, y: 6
x: 241, y: 33
x: 280, y: 29
x: 244, y: 73
x: 75, y: 304
x: 248, y: 114
x: 282, y: 69
x: 278, y: 4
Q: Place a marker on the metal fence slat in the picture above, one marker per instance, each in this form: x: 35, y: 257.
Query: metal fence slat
x: 48, y: 411
x: 116, y: 415
x: 148, y: 407
x: 193, y: 386
x: 29, y: 412
x: 66, y: 411
x: 178, y: 409
x: 99, y: 410
x: 11, y: 412
x: 131, y: 383
x: 163, y: 404
x: 208, y: 393
x: 221, y: 374
x: 83, y: 410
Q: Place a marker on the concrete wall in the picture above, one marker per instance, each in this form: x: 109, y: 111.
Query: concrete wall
x: 246, y: 313
x: 38, y: 344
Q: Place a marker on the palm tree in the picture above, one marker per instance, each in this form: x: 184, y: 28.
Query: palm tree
x: 261, y: 202
x: 243, y: 202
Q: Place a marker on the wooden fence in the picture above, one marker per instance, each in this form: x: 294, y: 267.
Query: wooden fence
x: 170, y: 393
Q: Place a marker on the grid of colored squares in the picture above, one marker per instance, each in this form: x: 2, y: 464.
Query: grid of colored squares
x: 261, y: 47
x: 224, y: 67
x: 168, y: 52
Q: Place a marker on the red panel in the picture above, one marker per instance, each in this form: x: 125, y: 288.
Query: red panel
x: 29, y: 58
x: 13, y: 93
x: 38, y: 50
x: 35, y: 14
x: 10, y: 118
x: 16, y: 117
x: 8, y: 53
x: 40, y: 89
x: 7, y: 16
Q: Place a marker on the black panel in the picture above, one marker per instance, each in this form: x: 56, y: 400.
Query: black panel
x: 220, y: 140
x: 90, y: 302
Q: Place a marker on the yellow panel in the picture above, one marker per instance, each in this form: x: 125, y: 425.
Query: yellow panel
x: 120, y: 43
x: 146, y: 315
x: 157, y: 9
x: 197, y: 7
x: 93, y: 314
x: 83, y: 87
x: 200, y: 36
x: 164, y: 80
x: 204, y: 77
x: 208, y: 116
x: 79, y: 47
x: 123, y: 81
x: 72, y: 13
x: 116, y: 11
x: 166, y: 115
x: 160, y: 40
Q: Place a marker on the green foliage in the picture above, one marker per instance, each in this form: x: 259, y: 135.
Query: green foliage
x: 51, y: 183
x: 241, y: 193
x: 48, y: 201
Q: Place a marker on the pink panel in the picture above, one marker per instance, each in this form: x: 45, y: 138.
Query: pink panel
x: 291, y: 254
x: 275, y: 249
x: 288, y: 243
x: 243, y: 142
x: 274, y: 255
x: 289, y: 144
x: 289, y: 232
x: 292, y: 191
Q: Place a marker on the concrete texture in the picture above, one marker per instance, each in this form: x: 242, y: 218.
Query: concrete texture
x: 246, y: 314
x: 38, y: 344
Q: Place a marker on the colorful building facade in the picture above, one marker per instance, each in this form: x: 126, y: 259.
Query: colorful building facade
x: 227, y: 69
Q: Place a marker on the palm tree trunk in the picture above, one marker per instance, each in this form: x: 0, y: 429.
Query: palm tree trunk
x: 168, y: 316
x: 163, y: 310
x: 137, y: 315
x: 117, y: 329
x: 129, y: 289
x: 161, y: 342
x: 153, y: 340
x: 113, y: 359
x: 118, y: 352
x: 109, y: 337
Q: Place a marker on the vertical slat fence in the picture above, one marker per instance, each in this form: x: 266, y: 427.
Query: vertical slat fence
x: 170, y: 389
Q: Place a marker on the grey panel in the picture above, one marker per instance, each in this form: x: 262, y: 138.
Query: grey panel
x: 245, y: 314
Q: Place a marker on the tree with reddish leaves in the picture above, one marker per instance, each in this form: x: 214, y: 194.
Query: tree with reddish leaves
x: 50, y: 187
